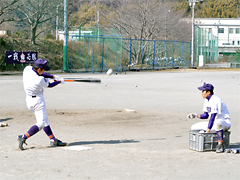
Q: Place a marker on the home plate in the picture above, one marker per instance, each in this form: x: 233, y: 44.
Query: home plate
x: 78, y: 148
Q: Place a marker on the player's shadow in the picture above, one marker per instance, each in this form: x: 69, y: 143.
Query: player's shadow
x: 6, y: 119
x: 234, y: 145
x: 102, y: 142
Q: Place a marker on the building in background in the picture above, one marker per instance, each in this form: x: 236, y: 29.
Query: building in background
x: 227, y: 33
x: 226, y: 29
x: 77, y: 33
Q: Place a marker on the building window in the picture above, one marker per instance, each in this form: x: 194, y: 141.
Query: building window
x: 233, y: 42
x: 231, y: 30
x: 210, y: 30
x: 220, y: 30
x: 238, y: 42
x: 237, y: 30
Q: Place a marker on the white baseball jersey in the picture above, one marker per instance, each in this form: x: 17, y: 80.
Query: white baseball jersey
x: 32, y: 82
x: 216, y: 105
x: 33, y: 86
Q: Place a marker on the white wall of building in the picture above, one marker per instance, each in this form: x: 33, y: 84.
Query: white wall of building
x: 61, y: 34
x: 226, y: 29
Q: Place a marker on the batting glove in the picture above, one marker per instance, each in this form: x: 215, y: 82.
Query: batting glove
x: 191, y: 116
x: 62, y: 81
x: 56, y: 78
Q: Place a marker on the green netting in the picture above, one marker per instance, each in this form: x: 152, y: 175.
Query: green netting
x: 95, y: 53
x: 100, y: 53
x: 205, y: 44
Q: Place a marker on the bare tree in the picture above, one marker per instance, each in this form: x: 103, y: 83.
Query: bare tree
x: 6, y: 7
x: 147, y: 19
x: 37, y: 12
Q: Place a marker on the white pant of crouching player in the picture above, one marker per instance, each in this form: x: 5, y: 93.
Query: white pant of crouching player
x: 218, y: 125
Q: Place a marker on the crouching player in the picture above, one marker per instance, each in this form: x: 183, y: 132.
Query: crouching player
x: 219, y: 115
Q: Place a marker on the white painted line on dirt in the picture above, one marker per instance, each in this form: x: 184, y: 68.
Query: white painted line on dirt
x: 77, y: 148
x: 130, y: 110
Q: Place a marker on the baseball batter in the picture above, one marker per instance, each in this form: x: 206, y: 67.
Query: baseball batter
x: 218, y: 112
x: 34, y: 80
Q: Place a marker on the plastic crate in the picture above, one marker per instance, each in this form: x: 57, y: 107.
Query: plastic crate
x: 206, y: 141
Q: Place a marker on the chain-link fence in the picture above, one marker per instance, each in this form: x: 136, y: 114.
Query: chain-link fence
x: 95, y: 53
x: 155, y: 54
x: 103, y: 52
x: 205, y: 44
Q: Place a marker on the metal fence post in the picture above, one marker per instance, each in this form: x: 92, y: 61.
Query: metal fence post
x: 154, y: 47
x: 142, y: 52
x: 121, y: 55
x: 173, y: 54
x: 102, y: 52
x: 71, y: 49
x: 93, y: 56
x: 208, y: 48
x: 116, y: 53
x: 130, y: 53
x: 164, y: 49
x: 197, y: 46
x: 182, y: 54
x: 87, y: 53
x: 65, y: 46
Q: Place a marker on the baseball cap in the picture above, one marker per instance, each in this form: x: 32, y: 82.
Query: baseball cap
x: 206, y: 86
x: 42, y: 63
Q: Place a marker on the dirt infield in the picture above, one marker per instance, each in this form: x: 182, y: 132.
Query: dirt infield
x: 150, y: 143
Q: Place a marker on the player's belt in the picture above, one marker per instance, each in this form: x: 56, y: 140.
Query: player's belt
x: 34, y: 96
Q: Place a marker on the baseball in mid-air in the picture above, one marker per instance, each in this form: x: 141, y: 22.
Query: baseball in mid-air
x: 109, y: 72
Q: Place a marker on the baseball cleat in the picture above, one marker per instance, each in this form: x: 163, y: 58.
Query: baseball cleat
x: 57, y: 143
x: 219, y: 148
x: 21, y: 141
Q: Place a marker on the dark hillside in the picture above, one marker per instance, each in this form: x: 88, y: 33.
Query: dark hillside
x: 48, y: 49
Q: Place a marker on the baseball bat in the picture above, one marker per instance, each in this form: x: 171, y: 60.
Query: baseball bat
x: 82, y: 80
